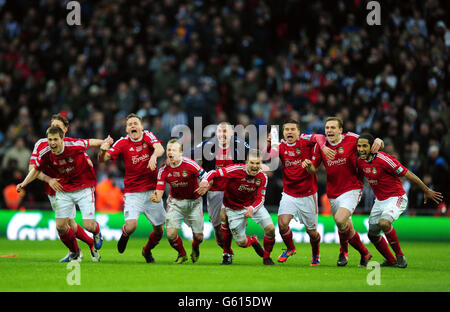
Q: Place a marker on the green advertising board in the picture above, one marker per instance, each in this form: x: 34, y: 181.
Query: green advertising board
x: 41, y: 225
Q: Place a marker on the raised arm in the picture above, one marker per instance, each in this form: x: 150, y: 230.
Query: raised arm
x: 158, y: 152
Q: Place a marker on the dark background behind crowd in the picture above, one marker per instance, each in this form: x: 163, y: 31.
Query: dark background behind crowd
x: 244, y: 61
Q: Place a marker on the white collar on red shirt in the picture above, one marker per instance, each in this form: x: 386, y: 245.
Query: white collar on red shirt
x: 176, y: 166
x: 340, y: 140
x: 138, y: 140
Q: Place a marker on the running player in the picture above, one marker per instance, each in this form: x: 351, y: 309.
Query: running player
x: 383, y: 173
x: 344, y: 188
x: 52, y: 185
x: 299, y: 197
x: 78, y: 182
x: 184, y: 203
x: 140, y: 150
x: 244, y: 196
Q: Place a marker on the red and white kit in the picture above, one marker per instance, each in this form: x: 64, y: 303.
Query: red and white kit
x: 383, y: 173
x: 242, y: 190
x: 344, y: 188
x: 183, y: 203
x: 139, y: 181
x: 299, y: 197
x: 75, y: 175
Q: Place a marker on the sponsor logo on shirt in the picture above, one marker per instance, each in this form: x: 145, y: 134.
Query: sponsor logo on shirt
x: 179, y: 184
x: 137, y: 159
x: 245, y: 188
x: 290, y: 163
x: 338, y: 162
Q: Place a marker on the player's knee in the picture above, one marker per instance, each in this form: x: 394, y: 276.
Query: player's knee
x: 171, y: 234
x: 384, y: 224
x: 158, y: 230
x: 283, y: 223
x: 312, y: 233
x: 269, y: 231
x: 374, y: 233
x: 198, y: 237
x: 241, y: 243
x: 61, y: 228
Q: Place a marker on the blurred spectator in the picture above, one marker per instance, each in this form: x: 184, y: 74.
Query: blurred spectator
x: 18, y: 152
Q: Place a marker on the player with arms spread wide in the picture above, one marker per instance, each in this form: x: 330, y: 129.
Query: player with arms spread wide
x: 78, y: 181
x: 52, y: 185
x: 184, y: 203
x: 383, y: 173
x: 344, y: 188
x: 243, y: 198
x: 140, y: 150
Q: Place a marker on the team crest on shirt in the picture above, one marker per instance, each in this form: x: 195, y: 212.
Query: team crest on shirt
x: 374, y: 170
x: 144, y: 145
x: 258, y: 182
x: 341, y: 150
x: 184, y: 174
x: 297, y: 151
x: 70, y: 160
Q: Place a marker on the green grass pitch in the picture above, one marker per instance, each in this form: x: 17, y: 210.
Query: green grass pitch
x: 36, y: 268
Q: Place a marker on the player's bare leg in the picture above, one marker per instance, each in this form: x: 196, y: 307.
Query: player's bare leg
x: 197, y: 239
x: 348, y: 233
x: 153, y: 240
x: 269, y: 241
x: 177, y: 244
x: 286, y: 235
x: 392, y: 238
x: 314, y: 239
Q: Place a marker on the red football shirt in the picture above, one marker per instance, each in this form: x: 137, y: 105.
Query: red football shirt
x: 297, y: 181
x: 183, y: 179
x: 50, y: 171
x: 70, y: 165
x: 383, y: 173
x: 224, y: 158
x: 241, y: 190
x: 136, y: 155
x: 341, y: 171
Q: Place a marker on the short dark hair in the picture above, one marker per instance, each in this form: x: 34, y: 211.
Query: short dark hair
x: 61, y: 118
x: 368, y: 137
x: 292, y: 121
x: 55, y: 130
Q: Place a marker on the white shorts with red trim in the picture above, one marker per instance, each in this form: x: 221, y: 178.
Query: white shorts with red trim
x: 188, y: 210
x: 214, y: 201
x: 304, y: 209
x: 348, y: 200
x: 238, y: 222
x: 52, y: 200
x: 389, y: 209
x: 64, y: 204
x: 140, y: 202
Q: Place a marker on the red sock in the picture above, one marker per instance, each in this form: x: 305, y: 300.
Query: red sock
x: 250, y: 241
x: 153, y: 240
x: 343, y: 241
x: 392, y: 238
x: 177, y: 244
x: 356, y: 243
x: 382, y: 246
x: 82, y: 235
x: 69, y: 239
x: 287, y: 239
x: 315, y: 245
x: 227, y: 239
x: 268, y: 246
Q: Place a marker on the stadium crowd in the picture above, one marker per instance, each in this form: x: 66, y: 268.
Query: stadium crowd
x: 244, y: 61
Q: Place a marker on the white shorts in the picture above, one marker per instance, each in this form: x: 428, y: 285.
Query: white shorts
x: 238, y: 222
x: 389, y: 209
x: 52, y: 200
x: 140, y: 202
x: 189, y: 210
x: 64, y: 204
x: 303, y: 208
x: 214, y: 203
x: 348, y: 200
